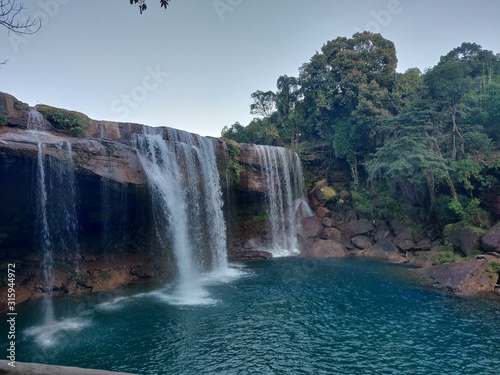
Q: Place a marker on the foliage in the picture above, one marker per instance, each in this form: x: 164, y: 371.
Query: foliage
x: 471, y: 213
x: 442, y: 211
x: 494, y: 267
x: 447, y: 256
x: 142, y: 4
x: 419, y: 139
x: 362, y: 201
x: 3, y: 119
x: 74, y: 122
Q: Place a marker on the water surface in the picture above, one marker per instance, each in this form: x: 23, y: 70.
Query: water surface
x: 286, y: 316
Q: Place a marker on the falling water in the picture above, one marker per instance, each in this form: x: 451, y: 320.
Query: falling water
x: 282, y: 172
x: 184, y: 181
x: 56, y: 207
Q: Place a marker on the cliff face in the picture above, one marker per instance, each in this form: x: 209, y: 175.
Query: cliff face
x: 116, y: 240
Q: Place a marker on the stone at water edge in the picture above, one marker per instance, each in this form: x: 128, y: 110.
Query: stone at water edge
x: 39, y: 369
x: 463, y: 278
x: 383, y: 249
x: 325, y: 249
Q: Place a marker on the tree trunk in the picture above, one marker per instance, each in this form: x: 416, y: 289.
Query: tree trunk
x: 456, y: 133
x: 429, y: 176
x: 447, y: 174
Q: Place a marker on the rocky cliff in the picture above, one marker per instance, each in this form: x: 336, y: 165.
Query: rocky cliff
x: 116, y: 244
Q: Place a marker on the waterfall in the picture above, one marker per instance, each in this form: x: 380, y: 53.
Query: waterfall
x: 56, y: 207
x: 187, y: 200
x: 282, y: 173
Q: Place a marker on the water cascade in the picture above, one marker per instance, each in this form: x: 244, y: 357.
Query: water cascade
x: 282, y: 173
x: 56, y: 208
x: 187, y: 202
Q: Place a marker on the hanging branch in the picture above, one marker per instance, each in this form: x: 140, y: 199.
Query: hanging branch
x: 9, y: 10
x: 143, y: 6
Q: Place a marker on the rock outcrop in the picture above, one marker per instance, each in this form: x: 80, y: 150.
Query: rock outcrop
x: 462, y: 278
x: 39, y: 369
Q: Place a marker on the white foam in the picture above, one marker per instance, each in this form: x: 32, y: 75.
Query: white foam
x: 48, y: 334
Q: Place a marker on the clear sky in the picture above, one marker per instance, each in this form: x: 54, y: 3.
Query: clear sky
x: 195, y: 65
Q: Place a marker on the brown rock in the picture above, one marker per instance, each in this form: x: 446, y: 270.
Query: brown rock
x: 362, y: 242
x: 327, y: 222
x: 321, y: 212
x: 357, y: 227
x: 332, y: 234
x: 463, y: 278
x: 310, y: 227
x: 463, y: 237
x: 491, y: 240
x: 325, y: 249
x: 383, y: 249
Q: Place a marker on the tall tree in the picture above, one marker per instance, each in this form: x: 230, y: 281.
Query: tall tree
x: 264, y: 103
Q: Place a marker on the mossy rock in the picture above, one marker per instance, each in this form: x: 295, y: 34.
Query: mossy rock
x: 75, y: 123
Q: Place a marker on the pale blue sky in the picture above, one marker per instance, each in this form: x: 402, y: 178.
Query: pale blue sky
x: 195, y: 65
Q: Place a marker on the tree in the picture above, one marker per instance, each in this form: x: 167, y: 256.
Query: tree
x: 9, y: 12
x: 143, y: 6
x: 264, y: 103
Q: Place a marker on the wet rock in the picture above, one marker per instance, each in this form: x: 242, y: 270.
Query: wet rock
x: 464, y: 238
x: 463, y: 278
x: 250, y: 255
x: 325, y: 249
x: 39, y: 369
x: 311, y: 227
x: 491, y: 240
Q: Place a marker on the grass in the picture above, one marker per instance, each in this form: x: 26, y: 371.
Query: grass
x: 74, y: 122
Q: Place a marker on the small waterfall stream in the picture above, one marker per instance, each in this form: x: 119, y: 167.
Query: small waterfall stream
x: 56, y: 199
x: 282, y: 173
x: 184, y: 182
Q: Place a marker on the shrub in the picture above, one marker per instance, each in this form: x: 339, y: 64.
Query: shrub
x: 447, y: 256
x: 74, y: 122
x: 3, y: 119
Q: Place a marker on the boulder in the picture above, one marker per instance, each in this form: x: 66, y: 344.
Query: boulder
x: 404, y: 242
x: 491, y: 240
x: 463, y: 278
x: 332, y: 234
x: 36, y: 368
x: 322, y: 192
x: 357, y: 227
x: 327, y: 222
x: 362, y: 242
x: 321, y: 212
x: 383, y: 249
x: 424, y: 244
x: 381, y: 232
x: 325, y: 249
x: 310, y: 227
x: 463, y: 237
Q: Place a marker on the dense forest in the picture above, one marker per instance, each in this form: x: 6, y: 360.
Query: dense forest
x: 423, y: 139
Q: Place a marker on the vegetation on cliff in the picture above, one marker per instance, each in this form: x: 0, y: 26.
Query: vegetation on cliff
x: 429, y: 139
x: 74, y: 122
